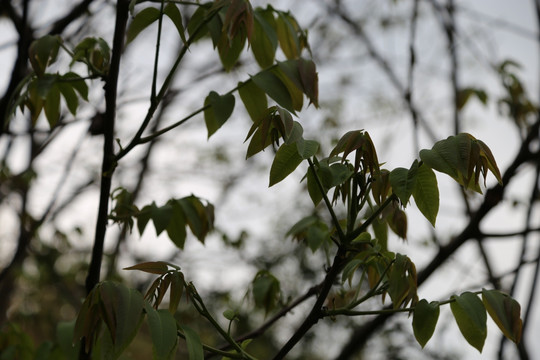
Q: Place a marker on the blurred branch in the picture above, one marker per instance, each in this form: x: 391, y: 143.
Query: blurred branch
x: 383, y: 64
x: 410, y: 72
x: 76, y: 12
x: 20, y: 66
x: 316, y: 312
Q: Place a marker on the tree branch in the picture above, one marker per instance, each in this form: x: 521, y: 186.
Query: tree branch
x: 108, y: 163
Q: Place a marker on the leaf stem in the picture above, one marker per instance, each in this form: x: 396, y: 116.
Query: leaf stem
x: 201, y: 308
x: 327, y: 202
x: 156, y: 58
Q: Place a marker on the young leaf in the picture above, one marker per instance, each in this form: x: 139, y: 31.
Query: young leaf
x: 152, y: 267
x: 129, y: 317
x: 254, y: 100
x: 141, y: 21
x: 43, y: 52
x: 274, y: 87
x: 122, y: 312
x: 219, y: 110
x: 177, y: 288
x: 471, y: 318
x: 426, y: 193
x: 286, y: 161
x: 462, y: 157
x: 88, y: 320
x: 193, y: 342
x: 505, y: 312
x: 163, y: 332
x: 425, y: 319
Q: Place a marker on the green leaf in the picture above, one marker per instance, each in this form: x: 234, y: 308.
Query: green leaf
x: 329, y: 176
x: 274, y: 87
x: 293, y: 87
x: 254, y: 100
x: 295, y: 135
x: 287, y: 36
x: 265, y: 41
x: 141, y: 21
x: 193, y: 342
x: 403, y: 182
x: 77, y: 83
x: 307, y: 148
x: 176, y: 230
x: 310, y: 80
x: 199, y: 218
x: 425, y: 319
x: 144, y: 215
x: 152, y: 267
x: 219, y: 111
x: 129, y: 316
x: 72, y: 101
x: 471, y: 318
x: 286, y: 161
x: 171, y: 10
x: 266, y: 289
x: 449, y: 156
x: 302, y: 225
x: 52, y: 105
x: 161, y: 217
x: 505, y: 312
x: 230, y: 49
x: 426, y: 193
x: 163, y: 332
x: 290, y: 69
x: 350, y: 268
x: 464, y: 158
